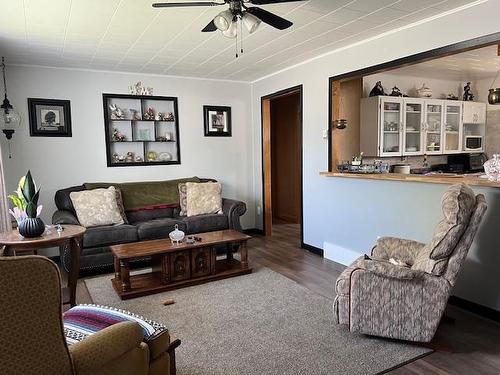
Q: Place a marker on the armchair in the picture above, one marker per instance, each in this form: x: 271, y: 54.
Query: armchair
x: 34, y: 340
x: 406, y: 300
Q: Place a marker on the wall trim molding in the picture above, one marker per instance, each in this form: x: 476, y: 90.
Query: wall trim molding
x: 475, y: 308
x: 312, y: 249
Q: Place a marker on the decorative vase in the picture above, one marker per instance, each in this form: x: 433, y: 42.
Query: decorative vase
x: 492, y: 168
x: 424, y: 92
x: 31, y: 227
x: 494, y: 96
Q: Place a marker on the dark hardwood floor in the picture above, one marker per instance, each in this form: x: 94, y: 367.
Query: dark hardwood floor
x: 470, y: 344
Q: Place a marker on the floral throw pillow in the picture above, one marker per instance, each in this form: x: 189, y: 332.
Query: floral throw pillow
x: 203, y: 198
x: 96, y: 207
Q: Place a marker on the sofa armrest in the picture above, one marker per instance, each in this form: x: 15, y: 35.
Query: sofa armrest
x: 103, y: 347
x: 388, y: 270
x: 233, y: 209
x: 64, y: 217
x: 397, y: 248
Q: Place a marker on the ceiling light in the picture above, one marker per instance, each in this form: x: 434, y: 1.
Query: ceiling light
x: 232, y: 31
x: 251, y: 22
x: 223, y: 20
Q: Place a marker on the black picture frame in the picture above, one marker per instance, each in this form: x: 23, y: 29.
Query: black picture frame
x: 55, y: 112
x: 217, y: 121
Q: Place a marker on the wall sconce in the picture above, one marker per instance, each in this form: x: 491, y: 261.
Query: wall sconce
x: 9, y: 118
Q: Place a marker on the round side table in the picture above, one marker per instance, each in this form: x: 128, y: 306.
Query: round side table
x: 14, y: 244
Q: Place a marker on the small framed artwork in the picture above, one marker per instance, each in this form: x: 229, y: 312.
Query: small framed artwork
x: 217, y: 121
x: 49, y: 117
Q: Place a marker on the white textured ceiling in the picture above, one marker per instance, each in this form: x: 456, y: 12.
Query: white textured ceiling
x: 477, y: 64
x: 130, y: 35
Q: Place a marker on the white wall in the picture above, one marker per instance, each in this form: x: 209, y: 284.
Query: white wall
x: 62, y: 162
x: 350, y: 214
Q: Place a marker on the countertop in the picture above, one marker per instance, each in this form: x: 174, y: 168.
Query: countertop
x: 441, y: 178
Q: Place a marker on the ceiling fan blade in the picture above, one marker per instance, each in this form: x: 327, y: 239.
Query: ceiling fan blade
x: 270, y: 18
x: 264, y: 2
x: 190, y: 4
x: 209, y: 28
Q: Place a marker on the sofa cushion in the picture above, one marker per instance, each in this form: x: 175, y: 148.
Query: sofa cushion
x: 458, y: 202
x: 109, y: 234
x: 157, y: 228
x: 203, y: 198
x: 149, y: 214
x: 63, y: 200
x: 205, y: 223
x: 96, y: 207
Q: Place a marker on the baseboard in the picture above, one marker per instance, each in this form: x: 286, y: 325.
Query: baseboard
x: 340, y: 254
x: 484, y: 311
x: 312, y: 249
x: 251, y: 231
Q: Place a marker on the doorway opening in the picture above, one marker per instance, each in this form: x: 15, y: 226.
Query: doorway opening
x: 282, y: 160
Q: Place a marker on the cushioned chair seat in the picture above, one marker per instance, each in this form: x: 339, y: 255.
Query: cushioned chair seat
x: 158, y: 228
x: 109, y: 234
x: 205, y: 223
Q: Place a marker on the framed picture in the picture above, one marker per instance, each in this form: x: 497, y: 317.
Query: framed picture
x: 49, y: 117
x: 217, y: 121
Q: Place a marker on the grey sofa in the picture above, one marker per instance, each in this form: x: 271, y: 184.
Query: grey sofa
x: 377, y: 297
x: 143, y: 225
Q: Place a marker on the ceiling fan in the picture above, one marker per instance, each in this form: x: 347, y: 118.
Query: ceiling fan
x: 238, y: 12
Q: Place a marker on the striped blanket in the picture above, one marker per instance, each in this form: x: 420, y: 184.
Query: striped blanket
x: 84, y: 320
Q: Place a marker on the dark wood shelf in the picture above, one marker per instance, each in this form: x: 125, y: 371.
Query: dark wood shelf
x: 169, y: 105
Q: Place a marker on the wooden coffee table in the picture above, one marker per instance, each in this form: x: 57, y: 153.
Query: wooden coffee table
x: 179, y: 265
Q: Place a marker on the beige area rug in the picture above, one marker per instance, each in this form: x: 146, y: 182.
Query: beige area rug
x: 262, y: 323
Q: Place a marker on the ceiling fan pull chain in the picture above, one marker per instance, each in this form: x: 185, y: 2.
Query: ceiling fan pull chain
x: 236, y: 45
x: 241, y: 36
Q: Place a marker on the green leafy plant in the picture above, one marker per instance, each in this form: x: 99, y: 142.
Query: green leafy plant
x: 25, y: 199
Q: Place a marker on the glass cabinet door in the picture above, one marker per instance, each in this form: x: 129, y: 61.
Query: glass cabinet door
x: 433, y: 126
x: 452, y: 127
x: 390, y: 129
x: 413, y: 120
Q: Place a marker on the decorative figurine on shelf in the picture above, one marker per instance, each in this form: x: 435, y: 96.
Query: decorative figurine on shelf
x: 424, y: 92
x: 115, y: 157
x: 168, y: 116
x: 468, y: 96
x: 159, y: 116
x: 150, y: 114
x: 396, y: 91
x: 130, y: 157
x: 168, y: 136
x: 377, y: 90
x: 118, y: 137
x: 451, y: 96
x: 358, y: 159
x: 135, y: 114
x: 152, y: 156
x: 121, y: 158
x: 138, y: 159
x: 139, y: 89
x: 116, y: 112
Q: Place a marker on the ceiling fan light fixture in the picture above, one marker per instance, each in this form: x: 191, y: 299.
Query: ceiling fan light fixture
x: 223, y: 20
x: 232, y: 31
x: 251, y: 22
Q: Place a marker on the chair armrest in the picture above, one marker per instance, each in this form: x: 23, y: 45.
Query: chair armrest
x: 388, y: 270
x: 397, y: 248
x: 107, y: 345
x: 64, y: 217
x: 233, y: 209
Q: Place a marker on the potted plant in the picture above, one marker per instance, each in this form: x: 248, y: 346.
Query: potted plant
x: 25, y: 208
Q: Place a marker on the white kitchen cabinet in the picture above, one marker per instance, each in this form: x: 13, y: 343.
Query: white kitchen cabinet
x: 395, y: 126
x: 474, y: 113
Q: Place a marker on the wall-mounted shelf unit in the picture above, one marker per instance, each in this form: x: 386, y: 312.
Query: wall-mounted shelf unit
x: 146, y: 138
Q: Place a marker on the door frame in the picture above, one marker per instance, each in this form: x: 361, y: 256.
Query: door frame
x: 265, y: 131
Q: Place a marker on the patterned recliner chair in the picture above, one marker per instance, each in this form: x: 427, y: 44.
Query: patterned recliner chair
x: 401, y: 291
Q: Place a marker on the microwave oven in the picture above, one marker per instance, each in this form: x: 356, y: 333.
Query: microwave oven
x: 473, y: 142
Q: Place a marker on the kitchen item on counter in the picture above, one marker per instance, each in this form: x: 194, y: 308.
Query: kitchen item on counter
x: 492, y: 168
x: 176, y: 236
x: 465, y: 163
x: 378, y: 166
x: 473, y: 142
x: 402, y: 168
